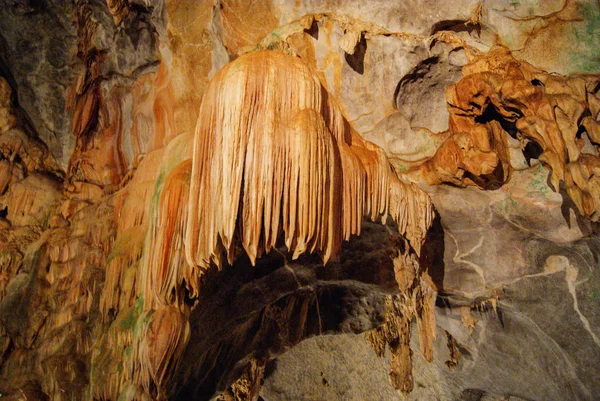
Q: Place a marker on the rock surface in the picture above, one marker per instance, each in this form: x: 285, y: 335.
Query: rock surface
x: 99, y: 107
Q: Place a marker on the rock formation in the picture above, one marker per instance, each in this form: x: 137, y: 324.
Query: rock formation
x: 552, y: 117
x: 284, y: 200
x: 288, y: 170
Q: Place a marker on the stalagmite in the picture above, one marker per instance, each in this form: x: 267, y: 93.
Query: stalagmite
x: 416, y: 301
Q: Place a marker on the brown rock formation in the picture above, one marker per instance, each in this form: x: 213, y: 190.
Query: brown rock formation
x: 286, y: 168
x: 499, y: 97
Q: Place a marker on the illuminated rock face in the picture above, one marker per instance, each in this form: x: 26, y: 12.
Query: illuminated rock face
x: 274, y: 147
x: 289, y: 171
x: 191, y: 199
x: 552, y: 117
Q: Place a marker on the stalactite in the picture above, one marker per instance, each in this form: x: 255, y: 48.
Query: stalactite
x: 84, y: 96
x: 425, y: 295
x: 274, y: 159
x: 31, y: 200
x: 121, y: 271
x: 132, y: 203
x: 468, y: 320
x: 416, y: 301
x: 166, y: 253
x: 283, y: 159
x: 455, y: 353
x: 119, y: 9
x: 395, y: 333
x: 112, y: 355
x: 160, y: 346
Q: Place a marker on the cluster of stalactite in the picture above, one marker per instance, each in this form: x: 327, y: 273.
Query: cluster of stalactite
x: 121, y: 129
x: 416, y: 301
x: 85, y: 96
x: 282, y: 161
x: 30, y: 192
x: 554, y: 118
x: 108, y: 259
x: 46, y: 321
x: 275, y: 164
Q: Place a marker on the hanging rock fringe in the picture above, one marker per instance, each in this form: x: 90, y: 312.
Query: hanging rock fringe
x: 274, y: 159
x: 274, y: 152
x: 166, y: 251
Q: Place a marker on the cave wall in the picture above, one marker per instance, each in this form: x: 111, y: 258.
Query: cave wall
x: 492, y: 108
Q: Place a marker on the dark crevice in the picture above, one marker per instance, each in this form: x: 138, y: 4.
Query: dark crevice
x: 475, y: 105
x: 472, y: 394
x: 580, y: 131
x: 500, y: 315
x: 567, y: 205
x: 491, y: 114
x: 432, y: 254
x: 313, y: 30
x: 586, y: 113
x: 4, y: 212
x: 536, y: 82
x: 418, y: 73
x: 456, y: 26
x: 270, y: 368
x: 596, y: 88
x: 532, y: 150
x: 357, y: 60
x: 490, y: 182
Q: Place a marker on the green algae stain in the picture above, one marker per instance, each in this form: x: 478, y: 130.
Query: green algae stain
x: 585, y: 56
x: 538, y: 182
x: 130, y: 319
x: 508, y: 205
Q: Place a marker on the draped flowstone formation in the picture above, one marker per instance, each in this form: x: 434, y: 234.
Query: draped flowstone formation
x: 274, y: 150
x: 275, y: 164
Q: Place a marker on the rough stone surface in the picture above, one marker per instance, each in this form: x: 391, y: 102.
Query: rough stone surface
x: 38, y: 41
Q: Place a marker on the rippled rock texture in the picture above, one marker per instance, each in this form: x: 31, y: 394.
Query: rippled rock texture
x: 299, y: 200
